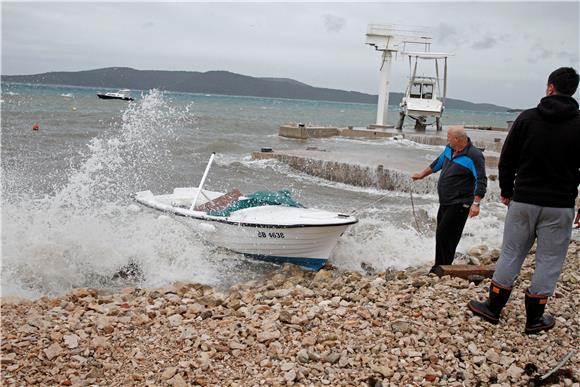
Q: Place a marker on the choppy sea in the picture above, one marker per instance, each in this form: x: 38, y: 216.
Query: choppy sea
x: 68, y: 219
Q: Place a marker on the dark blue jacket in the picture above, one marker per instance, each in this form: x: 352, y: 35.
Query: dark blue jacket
x: 462, y: 177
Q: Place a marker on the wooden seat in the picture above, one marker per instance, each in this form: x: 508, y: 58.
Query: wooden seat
x: 220, y: 202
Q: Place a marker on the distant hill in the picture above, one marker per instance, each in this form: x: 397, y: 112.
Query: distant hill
x: 216, y: 82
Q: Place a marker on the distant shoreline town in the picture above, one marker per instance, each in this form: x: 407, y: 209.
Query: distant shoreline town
x: 220, y: 82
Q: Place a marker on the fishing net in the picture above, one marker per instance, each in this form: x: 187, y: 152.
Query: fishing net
x: 272, y: 198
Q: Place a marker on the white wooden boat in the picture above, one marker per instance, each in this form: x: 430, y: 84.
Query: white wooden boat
x: 275, y: 233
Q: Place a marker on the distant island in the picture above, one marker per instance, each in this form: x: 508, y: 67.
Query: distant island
x: 218, y: 82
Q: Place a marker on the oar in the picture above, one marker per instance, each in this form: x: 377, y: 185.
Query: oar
x: 200, y: 187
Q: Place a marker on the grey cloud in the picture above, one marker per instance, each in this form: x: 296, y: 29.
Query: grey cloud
x: 148, y: 25
x: 446, y: 33
x: 333, y: 23
x: 485, y: 43
x: 539, y: 52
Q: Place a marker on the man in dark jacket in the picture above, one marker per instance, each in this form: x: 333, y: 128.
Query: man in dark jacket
x: 538, y: 177
x: 461, y: 187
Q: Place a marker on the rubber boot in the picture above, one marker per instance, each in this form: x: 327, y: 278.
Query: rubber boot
x: 536, y: 320
x: 491, y: 308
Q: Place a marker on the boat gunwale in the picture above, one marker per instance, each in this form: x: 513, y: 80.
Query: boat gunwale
x: 255, y: 225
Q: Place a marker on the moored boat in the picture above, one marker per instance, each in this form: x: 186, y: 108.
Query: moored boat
x: 124, y: 94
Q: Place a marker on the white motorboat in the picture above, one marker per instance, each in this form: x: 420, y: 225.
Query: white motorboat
x: 124, y: 94
x: 266, y: 231
x: 423, y: 98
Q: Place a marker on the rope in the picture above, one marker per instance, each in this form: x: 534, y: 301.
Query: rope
x: 414, y: 215
x: 383, y: 197
x: 368, y: 205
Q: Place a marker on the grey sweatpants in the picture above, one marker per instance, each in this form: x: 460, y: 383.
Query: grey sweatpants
x: 552, y: 227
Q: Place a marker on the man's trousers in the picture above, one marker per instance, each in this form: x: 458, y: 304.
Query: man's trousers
x: 450, y: 223
x: 524, y: 223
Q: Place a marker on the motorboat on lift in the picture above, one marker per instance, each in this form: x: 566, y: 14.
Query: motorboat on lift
x: 279, y: 231
x: 424, y: 98
x: 124, y: 94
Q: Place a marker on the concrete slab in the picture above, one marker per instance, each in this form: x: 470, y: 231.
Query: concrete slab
x: 490, y: 140
x: 381, y: 165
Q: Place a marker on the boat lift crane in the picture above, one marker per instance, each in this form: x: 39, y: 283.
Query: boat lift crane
x: 389, y: 39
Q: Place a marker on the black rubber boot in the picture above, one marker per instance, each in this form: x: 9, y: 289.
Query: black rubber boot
x: 536, y: 320
x: 491, y: 308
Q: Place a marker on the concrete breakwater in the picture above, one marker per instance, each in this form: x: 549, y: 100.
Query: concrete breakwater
x: 320, y: 164
x: 368, y: 169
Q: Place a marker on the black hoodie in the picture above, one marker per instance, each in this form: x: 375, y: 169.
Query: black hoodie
x: 541, y: 155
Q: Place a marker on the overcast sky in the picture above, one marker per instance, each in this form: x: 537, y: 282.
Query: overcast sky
x: 504, y: 51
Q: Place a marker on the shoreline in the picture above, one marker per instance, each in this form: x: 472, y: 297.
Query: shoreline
x: 293, y: 328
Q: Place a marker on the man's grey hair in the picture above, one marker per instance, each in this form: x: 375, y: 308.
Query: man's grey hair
x: 458, y: 131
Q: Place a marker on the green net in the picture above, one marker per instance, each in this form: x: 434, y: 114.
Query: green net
x: 276, y: 198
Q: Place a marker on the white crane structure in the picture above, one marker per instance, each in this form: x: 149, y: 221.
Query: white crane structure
x: 388, y: 40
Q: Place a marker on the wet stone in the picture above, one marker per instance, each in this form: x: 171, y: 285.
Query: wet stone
x: 400, y: 328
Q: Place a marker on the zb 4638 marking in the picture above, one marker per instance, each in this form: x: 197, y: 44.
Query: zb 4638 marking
x: 275, y: 235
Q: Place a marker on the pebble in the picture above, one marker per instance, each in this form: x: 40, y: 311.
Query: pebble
x: 295, y: 328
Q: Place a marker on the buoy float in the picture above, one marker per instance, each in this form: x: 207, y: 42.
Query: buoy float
x: 35, y: 126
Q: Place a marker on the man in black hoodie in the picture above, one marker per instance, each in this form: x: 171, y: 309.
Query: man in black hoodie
x: 538, y: 177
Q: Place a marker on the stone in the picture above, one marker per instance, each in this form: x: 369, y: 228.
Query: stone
x: 168, y: 373
x: 322, y: 277
x: 285, y: 317
x: 472, y: 348
x: 302, y: 356
x: 53, y: 351
x: 175, y: 320
x: 104, y: 324
x: 71, y: 341
x: 186, y: 333
x: 268, y: 335
x: 290, y: 376
x: 331, y: 357
x: 177, y: 381
x: 479, y: 360
x: 515, y: 372
x: 287, y: 366
x: 99, y: 341
x: 401, y: 326
x: 492, y: 356
x: 478, y: 251
x: 383, y: 370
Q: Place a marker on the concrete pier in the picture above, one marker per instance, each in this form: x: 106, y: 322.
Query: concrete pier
x: 381, y: 164
x: 301, y: 131
x: 482, y: 137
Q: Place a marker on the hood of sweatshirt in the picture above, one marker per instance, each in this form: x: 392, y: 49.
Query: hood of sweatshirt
x: 558, y: 107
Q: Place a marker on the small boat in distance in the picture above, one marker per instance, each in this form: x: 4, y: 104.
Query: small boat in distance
x: 124, y: 94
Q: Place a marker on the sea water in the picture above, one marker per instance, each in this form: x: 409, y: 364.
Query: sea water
x: 68, y: 219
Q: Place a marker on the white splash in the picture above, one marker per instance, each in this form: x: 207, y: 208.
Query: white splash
x: 84, y: 233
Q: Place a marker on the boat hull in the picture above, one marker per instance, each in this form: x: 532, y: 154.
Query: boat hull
x: 104, y: 96
x: 306, y: 246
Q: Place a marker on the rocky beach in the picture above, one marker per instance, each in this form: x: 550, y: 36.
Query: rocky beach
x: 293, y: 328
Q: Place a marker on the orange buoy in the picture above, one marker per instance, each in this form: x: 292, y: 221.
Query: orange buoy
x: 35, y: 126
